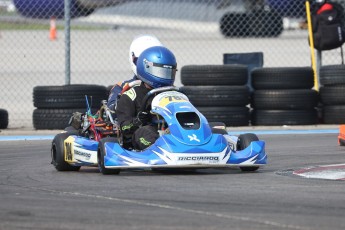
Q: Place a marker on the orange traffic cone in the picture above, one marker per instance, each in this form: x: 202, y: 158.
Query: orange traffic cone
x: 52, y: 32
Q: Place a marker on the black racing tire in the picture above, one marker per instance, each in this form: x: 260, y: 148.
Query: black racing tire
x: 244, y: 140
x: 3, y: 119
x: 217, y: 95
x: 333, y: 95
x: 285, y: 99
x: 284, y: 117
x: 214, y: 74
x: 71, y: 130
x: 235, y: 25
x: 333, y: 114
x: 68, y: 96
x: 219, y: 131
x: 217, y: 124
x: 231, y: 116
x: 218, y: 127
x: 283, y: 78
x: 58, y: 153
x: 100, y: 156
x: 53, y: 118
x: 332, y: 75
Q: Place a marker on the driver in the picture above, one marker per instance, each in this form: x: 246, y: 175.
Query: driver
x: 156, y: 67
x: 138, y: 45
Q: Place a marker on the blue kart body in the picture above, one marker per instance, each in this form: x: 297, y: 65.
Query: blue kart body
x: 189, y: 143
x: 166, y: 152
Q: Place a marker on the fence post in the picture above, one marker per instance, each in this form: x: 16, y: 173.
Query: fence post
x: 67, y: 42
x: 311, y: 44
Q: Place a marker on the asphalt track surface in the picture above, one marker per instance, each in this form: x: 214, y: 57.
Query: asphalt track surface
x: 36, y: 196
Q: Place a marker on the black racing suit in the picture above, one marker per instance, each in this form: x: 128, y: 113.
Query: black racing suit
x: 135, y: 134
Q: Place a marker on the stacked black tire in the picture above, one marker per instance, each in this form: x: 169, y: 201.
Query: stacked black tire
x: 3, y: 119
x: 284, y: 96
x: 219, y: 92
x: 332, y: 93
x: 55, y: 104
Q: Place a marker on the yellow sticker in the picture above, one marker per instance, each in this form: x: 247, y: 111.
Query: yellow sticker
x: 131, y: 94
x: 68, y: 149
x: 168, y: 99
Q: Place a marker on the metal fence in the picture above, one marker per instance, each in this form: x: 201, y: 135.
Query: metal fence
x: 197, y: 31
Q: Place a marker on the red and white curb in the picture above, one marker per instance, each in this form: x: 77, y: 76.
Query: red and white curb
x: 329, y: 172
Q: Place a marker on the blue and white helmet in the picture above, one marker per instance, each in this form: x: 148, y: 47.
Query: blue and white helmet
x: 156, y: 66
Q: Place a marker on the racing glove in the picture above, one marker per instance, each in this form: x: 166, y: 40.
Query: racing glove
x: 143, y: 118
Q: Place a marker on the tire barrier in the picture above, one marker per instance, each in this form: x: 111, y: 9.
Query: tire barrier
x: 285, y: 99
x: 3, y: 119
x: 283, y: 96
x: 332, y: 94
x: 283, y: 78
x: 332, y: 75
x: 231, y: 116
x: 333, y: 114
x: 55, y: 104
x: 53, y: 118
x: 219, y: 92
x: 224, y: 95
x: 214, y: 75
x: 68, y: 96
x: 284, y: 117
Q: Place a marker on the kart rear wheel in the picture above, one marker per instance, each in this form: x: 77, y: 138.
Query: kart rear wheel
x: 244, y: 140
x: 71, y: 130
x: 100, y: 156
x: 58, y: 153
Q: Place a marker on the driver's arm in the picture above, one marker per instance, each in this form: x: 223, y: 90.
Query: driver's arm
x: 126, y: 115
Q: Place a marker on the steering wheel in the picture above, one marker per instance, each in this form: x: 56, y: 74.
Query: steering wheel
x: 145, y: 106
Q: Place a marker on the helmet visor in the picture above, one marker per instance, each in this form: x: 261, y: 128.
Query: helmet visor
x: 160, y: 70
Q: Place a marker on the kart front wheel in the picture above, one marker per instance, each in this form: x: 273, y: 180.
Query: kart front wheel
x: 218, y: 128
x: 58, y: 153
x: 244, y: 140
x: 100, y: 156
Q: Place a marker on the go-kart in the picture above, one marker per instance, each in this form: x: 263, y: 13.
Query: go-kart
x: 187, y: 141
